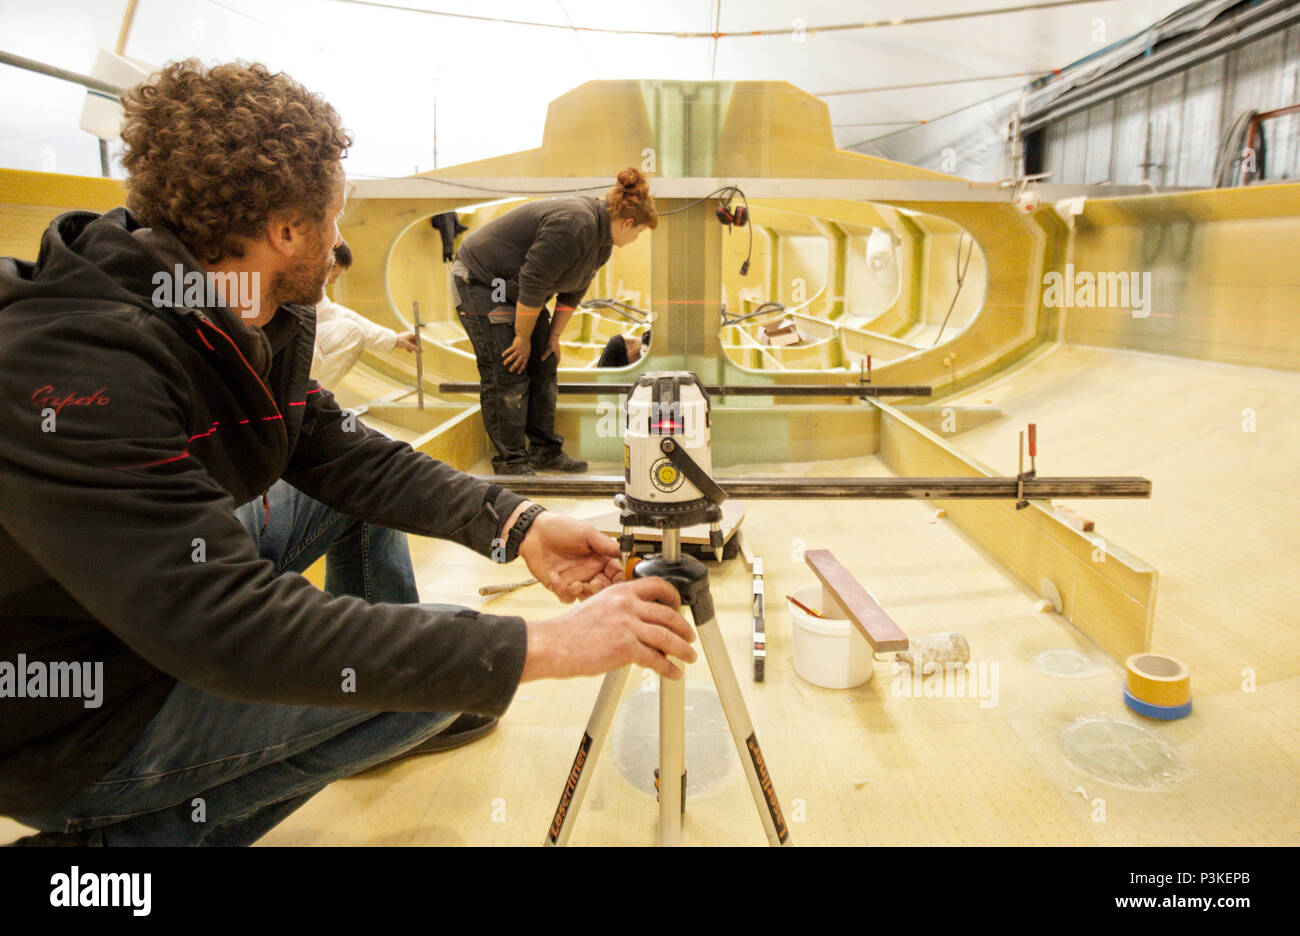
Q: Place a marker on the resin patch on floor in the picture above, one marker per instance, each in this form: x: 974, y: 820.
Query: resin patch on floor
x: 1066, y: 663
x: 1121, y: 753
x: 710, y: 751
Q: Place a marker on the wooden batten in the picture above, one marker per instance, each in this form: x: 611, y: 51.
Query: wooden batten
x: 867, y: 616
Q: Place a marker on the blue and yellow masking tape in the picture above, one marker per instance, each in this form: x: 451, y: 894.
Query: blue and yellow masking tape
x: 1157, y: 686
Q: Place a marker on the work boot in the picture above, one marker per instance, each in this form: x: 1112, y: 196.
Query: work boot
x: 557, y: 461
x: 463, y: 730
x: 52, y: 840
x: 513, y: 468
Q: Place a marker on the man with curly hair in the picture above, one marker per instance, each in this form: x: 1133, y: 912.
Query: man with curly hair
x: 164, y: 678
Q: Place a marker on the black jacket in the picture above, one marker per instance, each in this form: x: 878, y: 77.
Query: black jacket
x: 541, y: 249
x: 162, y: 425
x: 449, y: 228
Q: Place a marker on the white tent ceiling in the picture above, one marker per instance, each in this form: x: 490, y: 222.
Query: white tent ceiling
x: 490, y: 67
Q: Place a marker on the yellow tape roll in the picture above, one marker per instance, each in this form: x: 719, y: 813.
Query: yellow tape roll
x: 1158, y: 680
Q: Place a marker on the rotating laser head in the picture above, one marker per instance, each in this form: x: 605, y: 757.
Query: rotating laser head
x: 667, y: 456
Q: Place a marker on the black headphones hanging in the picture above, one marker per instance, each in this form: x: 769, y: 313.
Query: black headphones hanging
x: 737, y: 216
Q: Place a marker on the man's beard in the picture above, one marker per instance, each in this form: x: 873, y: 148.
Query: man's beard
x: 303, y: 281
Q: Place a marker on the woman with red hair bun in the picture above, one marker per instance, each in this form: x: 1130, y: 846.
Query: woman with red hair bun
x: 505, y: 273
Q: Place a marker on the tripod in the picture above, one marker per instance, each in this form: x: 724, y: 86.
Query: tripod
x: 691, y: 579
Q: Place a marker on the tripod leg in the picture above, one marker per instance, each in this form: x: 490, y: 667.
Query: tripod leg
x: 742, y: 729
x: 593, y: 739
x: 672, y: 755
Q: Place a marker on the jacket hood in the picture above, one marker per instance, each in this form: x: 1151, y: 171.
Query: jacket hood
x: 112, y: 265
x: 84, y: 255
x: 113, y: 258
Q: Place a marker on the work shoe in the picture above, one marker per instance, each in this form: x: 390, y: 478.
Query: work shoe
x: 463, y: 730
x: 557, y: 461
x: 52, y: 840
x: 514, y: 468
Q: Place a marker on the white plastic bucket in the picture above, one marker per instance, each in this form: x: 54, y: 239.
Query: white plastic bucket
x: 828, y: 652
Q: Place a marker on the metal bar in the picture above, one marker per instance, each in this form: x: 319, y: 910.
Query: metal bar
x: 419, y: 356
x: 671, y: 548
x: 593, y: 739
x: 1020, y: 476
x: 473, y: 189
x: 672, y: 757
x: 773, y: 390
x: 760, y: 628
x: 94, y: 84
x: 778, y: 488
x: 672, y: 729
x: 742, y: 728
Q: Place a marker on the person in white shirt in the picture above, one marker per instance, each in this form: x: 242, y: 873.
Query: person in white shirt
x: 342, y: 335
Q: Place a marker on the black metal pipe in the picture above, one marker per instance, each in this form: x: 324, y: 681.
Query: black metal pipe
x: 778, y: 488
x: 790, y: 390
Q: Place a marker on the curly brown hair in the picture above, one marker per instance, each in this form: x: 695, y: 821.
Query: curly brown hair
x: 631, y: 199
x: 212, y: 153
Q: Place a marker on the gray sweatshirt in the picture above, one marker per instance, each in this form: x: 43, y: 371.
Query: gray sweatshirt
x: 541, y: 249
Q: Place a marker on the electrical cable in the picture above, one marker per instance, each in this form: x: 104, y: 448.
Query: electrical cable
x: 496, y: 191
x: 728, y: 192
x: 961, y: 278
x: 749, y: 252
x: 630, y: 312
x: 795, y: 30
x: 699, y: 201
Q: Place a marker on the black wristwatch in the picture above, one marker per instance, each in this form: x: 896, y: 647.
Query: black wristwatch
x: 520, y: 529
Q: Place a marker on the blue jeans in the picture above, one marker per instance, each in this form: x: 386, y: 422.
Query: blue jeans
x: 207, y: 771
x: 361, y: 559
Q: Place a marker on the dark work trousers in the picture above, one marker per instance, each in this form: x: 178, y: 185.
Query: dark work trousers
x: 518, y: 409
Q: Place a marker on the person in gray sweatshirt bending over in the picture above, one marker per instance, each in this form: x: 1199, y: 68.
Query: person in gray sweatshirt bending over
x: 505, y: 273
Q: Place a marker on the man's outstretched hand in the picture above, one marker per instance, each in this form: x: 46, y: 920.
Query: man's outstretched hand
x: 637, y: 623
x: 571, y: 558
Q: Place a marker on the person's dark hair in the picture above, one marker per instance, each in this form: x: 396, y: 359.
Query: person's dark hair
x: 615, y: 353
x: 343, y: 255
x: 631, y: 199
x: 212, y: 153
